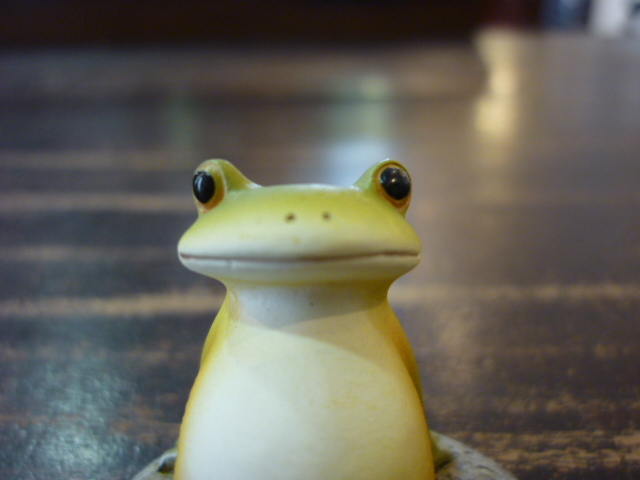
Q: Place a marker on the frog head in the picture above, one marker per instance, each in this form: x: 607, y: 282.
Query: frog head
x: 300, y: 233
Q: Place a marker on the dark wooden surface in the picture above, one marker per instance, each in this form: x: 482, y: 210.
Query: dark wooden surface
x: 524, y: 313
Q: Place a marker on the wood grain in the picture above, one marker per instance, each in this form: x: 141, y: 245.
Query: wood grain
x: 523, y: 313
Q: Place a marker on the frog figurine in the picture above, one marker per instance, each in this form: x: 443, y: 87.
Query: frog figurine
x: 306, y: 372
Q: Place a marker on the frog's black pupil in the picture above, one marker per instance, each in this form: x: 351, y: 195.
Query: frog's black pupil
x: 204, y: 187
x: 396, y: 182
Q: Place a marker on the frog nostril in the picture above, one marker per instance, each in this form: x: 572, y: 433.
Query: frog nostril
x: 326, y: 216
x: 290, y: 217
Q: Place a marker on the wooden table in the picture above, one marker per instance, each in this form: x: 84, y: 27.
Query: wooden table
x: 524, y: 313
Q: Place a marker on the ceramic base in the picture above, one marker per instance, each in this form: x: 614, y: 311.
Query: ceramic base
x: 467, y: 464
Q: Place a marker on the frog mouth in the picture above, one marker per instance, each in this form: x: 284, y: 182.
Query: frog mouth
x: 301, y: 258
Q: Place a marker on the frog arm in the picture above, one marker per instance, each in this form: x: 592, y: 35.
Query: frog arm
x: 215, y: 332
x: 441, y: 455
x: 401, y: 342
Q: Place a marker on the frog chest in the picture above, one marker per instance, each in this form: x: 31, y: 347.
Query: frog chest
x: 304, y: 396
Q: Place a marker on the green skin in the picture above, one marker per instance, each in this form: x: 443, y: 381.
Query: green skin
x: 291, y: 236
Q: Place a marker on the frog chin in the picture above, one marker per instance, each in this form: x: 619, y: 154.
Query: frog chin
x: 347, y: 268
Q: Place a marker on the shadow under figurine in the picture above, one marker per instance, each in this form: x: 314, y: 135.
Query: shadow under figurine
x: 306, y: 373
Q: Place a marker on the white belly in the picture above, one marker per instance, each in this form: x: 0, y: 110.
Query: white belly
x: 278, y: 405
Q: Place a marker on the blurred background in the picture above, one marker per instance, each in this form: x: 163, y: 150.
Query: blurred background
x: 519, y: 121
x: 38, y: 22
x: 120, y: 22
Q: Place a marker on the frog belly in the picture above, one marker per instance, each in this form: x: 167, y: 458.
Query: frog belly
x: 274, y: 405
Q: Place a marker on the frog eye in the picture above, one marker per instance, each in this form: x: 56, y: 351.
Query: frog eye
x: 204, y: 186
x: 396, y: 182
